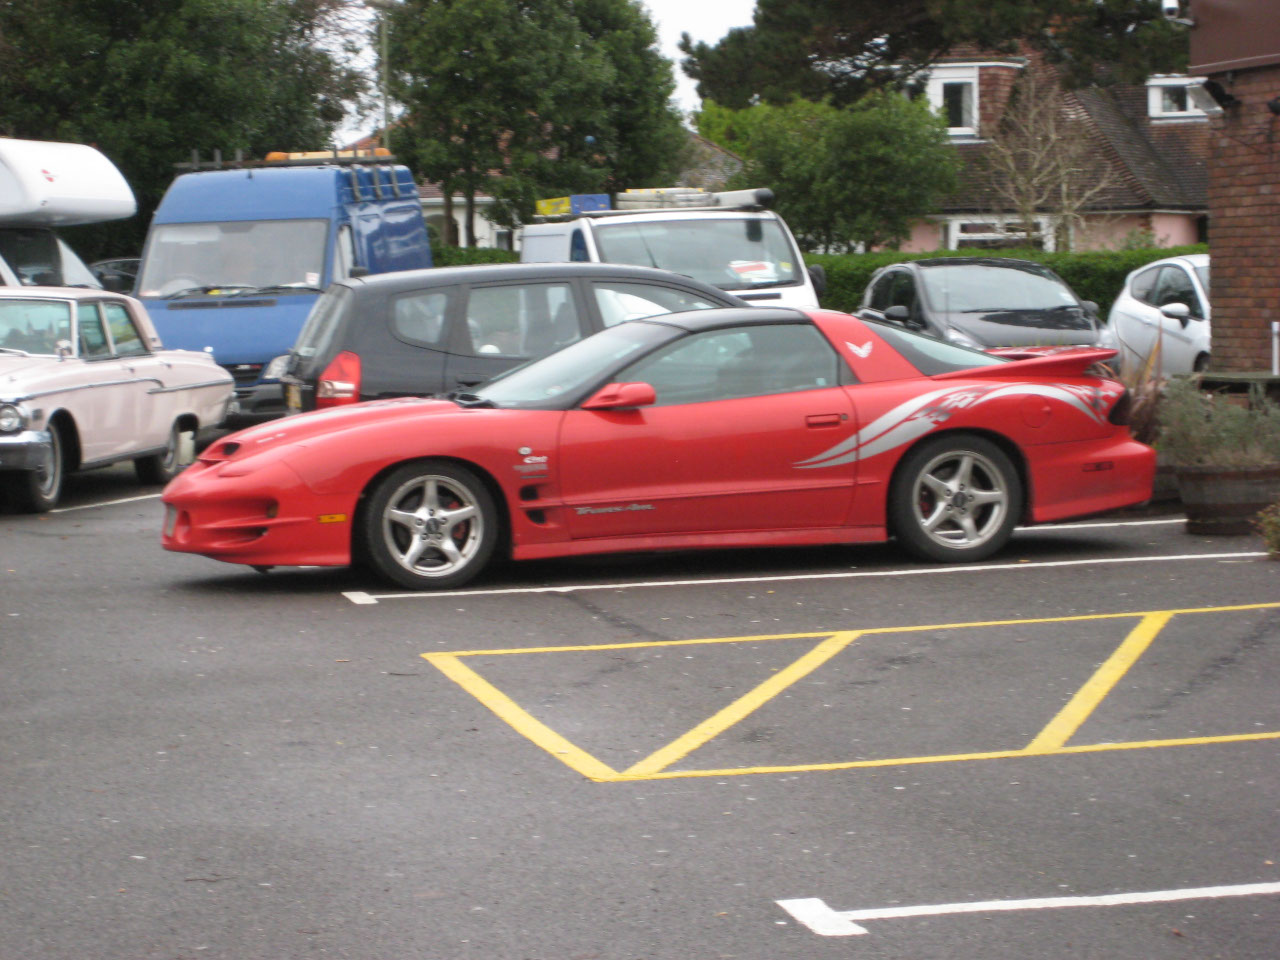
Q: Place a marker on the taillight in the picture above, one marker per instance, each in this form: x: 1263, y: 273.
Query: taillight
x: 340, y: 381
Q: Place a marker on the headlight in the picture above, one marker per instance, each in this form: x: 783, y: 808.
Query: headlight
x: 963, y: 339
x: 275, y: 369
x: 12, y: 419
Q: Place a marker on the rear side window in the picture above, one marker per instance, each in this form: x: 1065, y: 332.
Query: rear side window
x: 521, y: 320
x: 93, y: 335
x: 123, y: 332
x: 930, y: 355
x: 419, y: 317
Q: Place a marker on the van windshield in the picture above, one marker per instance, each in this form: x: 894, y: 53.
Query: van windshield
x: 40, y: 258
x: 732, y: 253
x: 186, y: 259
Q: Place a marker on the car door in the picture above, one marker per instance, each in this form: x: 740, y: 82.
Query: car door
x: 737, y: 410
x: 1179, y: 336
x: 143, y: 421
x: 103, y: 401
x: 503, y: 324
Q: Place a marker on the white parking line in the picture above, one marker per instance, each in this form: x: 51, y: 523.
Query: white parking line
x: 825, y: 922
x: 106, y: 503
x: 364, y: 598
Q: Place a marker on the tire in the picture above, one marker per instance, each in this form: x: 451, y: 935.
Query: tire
x: 1201, y: 365
x: 430, y: 525
x: 955, y: 499
x: 38, y: 491
x: 162, y: 467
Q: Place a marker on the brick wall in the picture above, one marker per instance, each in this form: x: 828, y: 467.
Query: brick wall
x: 1244, y: 223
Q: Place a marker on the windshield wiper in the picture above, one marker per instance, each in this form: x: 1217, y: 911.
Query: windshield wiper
x: 283, y: 288
x: 469, y: 399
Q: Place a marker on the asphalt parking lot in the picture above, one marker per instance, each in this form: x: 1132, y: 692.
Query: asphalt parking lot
x: 1067, y: 751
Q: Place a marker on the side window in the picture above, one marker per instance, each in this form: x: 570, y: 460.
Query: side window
x: 881, y: 292
x: 619, y: 302
x: 419, y: 316
x: 1174, y: 286
x: 93, y: 335
x: 522, y: 320
x: 904, y: 291
x: 344, y: 254
x: 578, y: 247
x: 123, y: 333
x: 1143, y: 284
x: 748, y: 361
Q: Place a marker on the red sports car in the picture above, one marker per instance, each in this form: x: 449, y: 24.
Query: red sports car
x: 716, y: 428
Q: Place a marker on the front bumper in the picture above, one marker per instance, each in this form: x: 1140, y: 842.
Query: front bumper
x: 28, y: 450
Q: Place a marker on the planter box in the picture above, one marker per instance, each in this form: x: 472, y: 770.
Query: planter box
x: 1226, y: 501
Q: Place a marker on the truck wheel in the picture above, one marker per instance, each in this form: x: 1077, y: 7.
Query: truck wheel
x: 955, y: 498
x: 430, y: 525
x: 38, y: 490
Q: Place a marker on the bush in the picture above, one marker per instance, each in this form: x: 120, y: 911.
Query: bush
x: 1094, y: 275
x: 1268, y: 524
x: 445, y: 256
x: 1202, y: 429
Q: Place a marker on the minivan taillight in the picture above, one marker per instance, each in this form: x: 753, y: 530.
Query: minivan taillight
x: 340, y: 381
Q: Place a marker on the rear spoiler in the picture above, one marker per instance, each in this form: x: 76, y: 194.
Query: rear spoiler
x: 1036, y: 362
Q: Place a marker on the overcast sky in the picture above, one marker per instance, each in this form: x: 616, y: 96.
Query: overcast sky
x: 706, y: 20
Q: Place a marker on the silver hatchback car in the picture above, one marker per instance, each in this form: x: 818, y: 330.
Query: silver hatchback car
x: 1161, y: 318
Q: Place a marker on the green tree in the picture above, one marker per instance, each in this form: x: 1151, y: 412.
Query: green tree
x: 843, y: 176
x: 844, y: 48
x: 149, y: 81
x: 528, y: 98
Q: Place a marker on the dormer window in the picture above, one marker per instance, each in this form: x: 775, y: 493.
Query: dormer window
x: 953, y: 93
x: 1175, y: 97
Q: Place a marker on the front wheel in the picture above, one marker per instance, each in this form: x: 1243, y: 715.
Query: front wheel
x: 430, y: 525
x: 955, y: 498
x: 38, y: 490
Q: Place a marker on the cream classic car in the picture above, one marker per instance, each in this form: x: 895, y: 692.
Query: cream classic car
x: 85, y: 382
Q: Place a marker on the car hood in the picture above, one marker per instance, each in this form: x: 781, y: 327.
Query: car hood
x: 22, y: 375
x: 1019, y: 328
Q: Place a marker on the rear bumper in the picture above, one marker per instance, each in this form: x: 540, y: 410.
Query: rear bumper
x: 1091, y: 476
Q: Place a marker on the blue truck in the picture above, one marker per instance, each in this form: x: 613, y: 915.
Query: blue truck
x: 235, y: 258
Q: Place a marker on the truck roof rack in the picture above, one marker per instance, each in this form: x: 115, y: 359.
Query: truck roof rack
x: 757, y: 199
x: 375, y: 155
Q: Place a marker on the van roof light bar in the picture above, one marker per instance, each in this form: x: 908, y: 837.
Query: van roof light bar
x: 316, y: 158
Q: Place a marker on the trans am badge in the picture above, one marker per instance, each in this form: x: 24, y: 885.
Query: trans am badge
x: 910, y: 421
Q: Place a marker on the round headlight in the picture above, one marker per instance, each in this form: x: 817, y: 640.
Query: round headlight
x: 11, y: 418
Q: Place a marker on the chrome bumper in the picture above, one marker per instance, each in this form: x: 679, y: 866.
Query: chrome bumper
x: 26, y: 450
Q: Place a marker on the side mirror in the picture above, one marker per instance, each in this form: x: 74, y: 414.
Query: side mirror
x: 116, y: 282
x: 1090, y: 307
x: 818, y: 274
x: 621, y: 396
x: 64, y: 349
x: 1177, y: 311
x: 897, y: 314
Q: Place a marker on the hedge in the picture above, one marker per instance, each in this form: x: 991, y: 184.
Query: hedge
x: 444, y: 256
x: 1096, y: 275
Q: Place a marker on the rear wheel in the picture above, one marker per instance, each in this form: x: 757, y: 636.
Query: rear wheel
x: 955, y: 498
x: 429, y: 525
x: 164, y: 466
x: 38, y: 490
x: 1201, y: 365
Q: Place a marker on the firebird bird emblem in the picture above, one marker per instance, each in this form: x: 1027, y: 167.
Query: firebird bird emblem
x: 911, y: 420
x: 862, y: 352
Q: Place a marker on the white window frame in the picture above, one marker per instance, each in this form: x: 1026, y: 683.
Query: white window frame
x: 941, y: 76
x: 1157, y: 85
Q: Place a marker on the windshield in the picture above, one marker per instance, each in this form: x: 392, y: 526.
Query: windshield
x: 40, y: 258
x: 983, y: 288
x: 34, y: 326
x: 930, y: 355
x: 235, y: 256
x: 1203, y: 274
x: 732, y: 253
x: 540, y: 383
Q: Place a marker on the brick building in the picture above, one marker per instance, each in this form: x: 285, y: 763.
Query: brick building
x: 1236, y: 45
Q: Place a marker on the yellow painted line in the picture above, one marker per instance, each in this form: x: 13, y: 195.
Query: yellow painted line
x: 520, y: 720
x: 954, y: 758
x: 743, y: 706
x: 1061, y: 728
x: 867, y: 631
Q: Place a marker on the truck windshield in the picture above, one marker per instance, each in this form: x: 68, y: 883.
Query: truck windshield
x: 732, y: 253
x: 234, y: 257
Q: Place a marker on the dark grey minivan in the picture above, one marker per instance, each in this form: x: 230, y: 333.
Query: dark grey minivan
x: 418, y: 332
x: 983, y: 302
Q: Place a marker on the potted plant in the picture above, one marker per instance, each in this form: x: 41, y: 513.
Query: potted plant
x: 1225, y: 453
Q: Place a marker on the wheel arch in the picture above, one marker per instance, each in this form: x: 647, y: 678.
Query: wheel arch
x: 1007, y: 446
x: 487, y: 478
x: 63, y: 421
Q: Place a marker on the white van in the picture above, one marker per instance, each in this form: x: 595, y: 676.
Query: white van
x: 729, y: 240
x: 44, y: 185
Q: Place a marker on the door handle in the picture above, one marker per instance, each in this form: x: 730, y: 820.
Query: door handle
x: 824, y: 419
